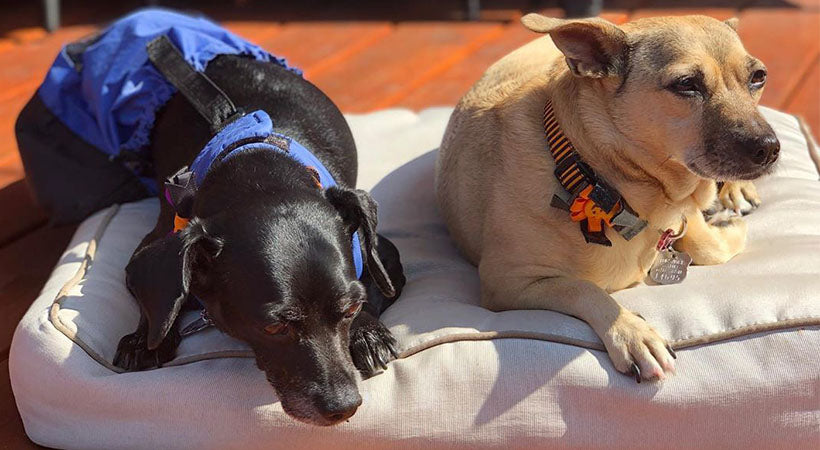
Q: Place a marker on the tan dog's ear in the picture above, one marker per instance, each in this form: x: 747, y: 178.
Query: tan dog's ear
x: 732, y: 22
x: 593, y: 48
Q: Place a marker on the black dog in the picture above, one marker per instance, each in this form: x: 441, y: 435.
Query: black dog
x: 267, y: 252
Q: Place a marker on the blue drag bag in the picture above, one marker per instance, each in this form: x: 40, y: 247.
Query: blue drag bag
x: 84, y: 136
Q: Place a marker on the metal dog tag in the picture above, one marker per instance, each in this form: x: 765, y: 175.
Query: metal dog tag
x: 670, y: 266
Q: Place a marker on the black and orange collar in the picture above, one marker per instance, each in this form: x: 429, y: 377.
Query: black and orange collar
x: 588, y: 198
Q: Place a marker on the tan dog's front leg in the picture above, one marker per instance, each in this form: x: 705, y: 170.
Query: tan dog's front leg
x: 709, y: 244
x: 633, y: 345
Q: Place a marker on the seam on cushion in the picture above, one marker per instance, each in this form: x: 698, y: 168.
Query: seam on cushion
x: 811, y: 144
x: 711, y: 338
x: 512, y: 334
x: 493, y: 335
x: 88, y: 260
x: 744, y: 330
x: 210, y: 355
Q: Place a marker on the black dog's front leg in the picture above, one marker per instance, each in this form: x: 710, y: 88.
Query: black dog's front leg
x: 154, y: 277
x: 372, y: 345
x: 133, y: 353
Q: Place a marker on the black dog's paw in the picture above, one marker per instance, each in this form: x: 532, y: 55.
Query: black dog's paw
x: 133, y: 354
x: 372, y: 345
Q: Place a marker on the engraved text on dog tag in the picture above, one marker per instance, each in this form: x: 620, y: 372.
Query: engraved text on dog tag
x: 670, y: 266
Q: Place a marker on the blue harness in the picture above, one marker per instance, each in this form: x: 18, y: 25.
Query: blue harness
x: 255, y: 131
x: 107, y: 89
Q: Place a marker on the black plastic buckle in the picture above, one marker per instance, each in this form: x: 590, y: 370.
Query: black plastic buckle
x: 604, y: 196
x: 180, y: 189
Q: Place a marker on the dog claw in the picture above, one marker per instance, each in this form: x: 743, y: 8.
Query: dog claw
x: 671, y: 351
x: 636, y: 372
x: 372, y: 346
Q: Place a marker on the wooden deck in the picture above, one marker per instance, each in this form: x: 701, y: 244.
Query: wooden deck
x: 373, y: 56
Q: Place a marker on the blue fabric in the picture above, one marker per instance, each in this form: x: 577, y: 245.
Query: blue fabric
x: 258, y: 125
x: 111, y: 103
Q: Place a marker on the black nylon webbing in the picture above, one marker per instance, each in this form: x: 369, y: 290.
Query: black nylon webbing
x: 203, y: 94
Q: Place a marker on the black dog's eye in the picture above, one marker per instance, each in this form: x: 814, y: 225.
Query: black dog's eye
x: 278, y: 328
x: 686, y: 86
x: 758, y: 79
x: 353, y: 310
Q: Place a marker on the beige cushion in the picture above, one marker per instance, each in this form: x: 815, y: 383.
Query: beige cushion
x: 749, y: 330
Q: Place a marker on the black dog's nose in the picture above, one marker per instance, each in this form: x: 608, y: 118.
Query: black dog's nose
x: 341, y: 406
x: 765, y: 150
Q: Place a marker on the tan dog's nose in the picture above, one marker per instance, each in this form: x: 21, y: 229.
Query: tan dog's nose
x: 766, y: 149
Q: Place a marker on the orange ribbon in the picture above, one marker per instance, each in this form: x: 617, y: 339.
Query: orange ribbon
x: 179, y: 223
x: 584, y: 208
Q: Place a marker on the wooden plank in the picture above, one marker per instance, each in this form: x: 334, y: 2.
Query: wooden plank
x: 12, y: 434
x: 316, y: 46
x: 697, y: 4
x: 812, y: 5
x: 29, y: 61
x: 717, y: 13
x: 787, y: 41
x: 10, y: 107
x: 253, y: 30
x: 11, y: 168
x: 25, y: 265
x: 805, y: 101
x: 22, y: 215
x: 448, y: 87
x: 384, y: 73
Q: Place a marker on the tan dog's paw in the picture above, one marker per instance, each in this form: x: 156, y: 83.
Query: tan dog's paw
x: 739, y: 196
x: 636, y: 349
x: 716, y: 244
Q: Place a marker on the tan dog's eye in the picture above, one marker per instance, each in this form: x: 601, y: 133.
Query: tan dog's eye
x: 278, y: 328
x: 758, y: 79
x: 686, y: 86
x: 353, y: 310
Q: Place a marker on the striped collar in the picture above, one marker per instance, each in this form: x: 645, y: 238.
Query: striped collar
x: 587, y: 197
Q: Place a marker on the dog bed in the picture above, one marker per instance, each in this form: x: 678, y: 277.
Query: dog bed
x: 747, y: 335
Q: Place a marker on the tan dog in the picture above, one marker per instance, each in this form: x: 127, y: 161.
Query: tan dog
x: 659, y: 108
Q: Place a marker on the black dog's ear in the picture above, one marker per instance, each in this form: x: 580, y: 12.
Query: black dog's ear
x: 159, y: 276
x: 360, y: 212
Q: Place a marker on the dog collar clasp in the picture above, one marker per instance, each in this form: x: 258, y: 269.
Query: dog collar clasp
x: 202, y: 322
x: 668, y: 237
